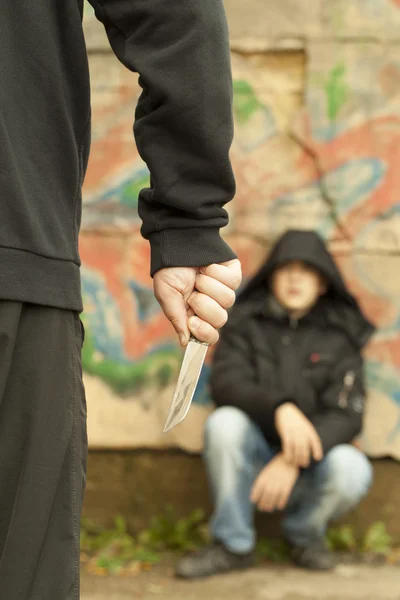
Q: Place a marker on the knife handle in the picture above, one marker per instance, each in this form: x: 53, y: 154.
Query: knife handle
x: 193, y: 339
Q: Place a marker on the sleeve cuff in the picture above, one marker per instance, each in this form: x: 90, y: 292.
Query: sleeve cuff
x: 188, y: 247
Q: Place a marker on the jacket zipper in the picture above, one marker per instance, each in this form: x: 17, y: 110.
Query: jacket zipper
x: 348, y: 384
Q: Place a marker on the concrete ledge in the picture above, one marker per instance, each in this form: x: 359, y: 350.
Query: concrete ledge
x: 139, y: 485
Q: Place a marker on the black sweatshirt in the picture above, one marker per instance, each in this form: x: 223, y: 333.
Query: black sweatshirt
x: 183, y: 129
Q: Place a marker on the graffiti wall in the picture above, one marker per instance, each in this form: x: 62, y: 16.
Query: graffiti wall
x: 317, y: 145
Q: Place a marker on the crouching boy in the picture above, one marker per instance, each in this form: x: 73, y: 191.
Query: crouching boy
x: 287, y: 380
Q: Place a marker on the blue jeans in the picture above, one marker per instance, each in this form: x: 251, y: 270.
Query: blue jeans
x: 236, y: 451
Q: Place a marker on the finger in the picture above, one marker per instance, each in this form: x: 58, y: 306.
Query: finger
x: 255, y: 494
x: 302, y: 457
x: 216, y: 290
x: 174, y: 307
x: 256, y: 491
x: 268, y: 499
x: 306, y: 457
x: 286, y: 448
x: 229, y: 273
x: 208, y: 309
x: 284, y: 497
x: 203, y: 331
x: 316, y: 447
x: 279, y: 498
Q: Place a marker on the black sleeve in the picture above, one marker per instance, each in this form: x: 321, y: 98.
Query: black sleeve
x: 183, y: 123
x: 341, y: 417
x: 234, y: 380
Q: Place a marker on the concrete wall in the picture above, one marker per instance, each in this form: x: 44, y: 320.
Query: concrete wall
x: 140, y: 484
x: 317, y: 103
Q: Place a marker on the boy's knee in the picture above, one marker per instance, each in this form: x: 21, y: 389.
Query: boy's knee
x: 350, y: 472
x: 227, y: 426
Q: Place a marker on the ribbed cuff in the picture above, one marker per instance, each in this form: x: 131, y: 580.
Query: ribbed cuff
x: 189, y: 247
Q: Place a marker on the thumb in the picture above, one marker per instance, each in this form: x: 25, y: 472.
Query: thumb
x: 174, y: 307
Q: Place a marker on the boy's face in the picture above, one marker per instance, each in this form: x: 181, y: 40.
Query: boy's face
x: 297, y: 286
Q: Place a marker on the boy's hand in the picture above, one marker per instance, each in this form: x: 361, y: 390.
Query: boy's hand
x: 206, y: 292
x: 274, y: 485
x: 300, y: 441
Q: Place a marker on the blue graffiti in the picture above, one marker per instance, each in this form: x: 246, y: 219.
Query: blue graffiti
x: 349, y: 185
x: 146, y: 304
x: 118, y: 204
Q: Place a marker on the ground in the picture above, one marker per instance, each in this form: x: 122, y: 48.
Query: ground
x: 348, y: 582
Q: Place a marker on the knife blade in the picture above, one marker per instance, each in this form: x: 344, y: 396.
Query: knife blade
x: 192, y: 364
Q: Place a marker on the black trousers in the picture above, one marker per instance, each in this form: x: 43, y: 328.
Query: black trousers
x: 43, y: 452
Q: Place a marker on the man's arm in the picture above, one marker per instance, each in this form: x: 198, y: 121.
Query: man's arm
x: 183, y: 124
x: 340, y: 419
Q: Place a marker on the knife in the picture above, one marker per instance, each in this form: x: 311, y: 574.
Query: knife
x: 187, y: 381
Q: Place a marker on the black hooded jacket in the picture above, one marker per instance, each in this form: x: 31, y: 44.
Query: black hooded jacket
x: 183, y: 129
x: 265, y: 359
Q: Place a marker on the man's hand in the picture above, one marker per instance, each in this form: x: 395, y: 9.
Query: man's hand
x: 273, y: 486
x: 196, y: 300
x: 300, y: 441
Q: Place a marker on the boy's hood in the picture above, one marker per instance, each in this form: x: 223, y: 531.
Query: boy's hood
x: 338, y: 307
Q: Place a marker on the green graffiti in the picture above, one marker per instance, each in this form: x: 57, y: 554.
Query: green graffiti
x: 336, y: 90
x: 245, y: 102
x: 157, y: 370
x: 129, y: 195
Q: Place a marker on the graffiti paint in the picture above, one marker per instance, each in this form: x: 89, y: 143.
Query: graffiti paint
x: 335, y: 170
x: 336, y: 91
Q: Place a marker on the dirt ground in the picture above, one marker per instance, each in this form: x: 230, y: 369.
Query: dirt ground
x: 347, y: 582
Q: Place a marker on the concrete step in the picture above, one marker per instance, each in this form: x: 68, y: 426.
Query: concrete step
x: 140, y: 484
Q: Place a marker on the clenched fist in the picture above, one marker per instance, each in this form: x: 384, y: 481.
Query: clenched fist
x: 196, y: 300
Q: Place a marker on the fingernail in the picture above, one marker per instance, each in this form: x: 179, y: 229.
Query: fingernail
x: 183, y: 339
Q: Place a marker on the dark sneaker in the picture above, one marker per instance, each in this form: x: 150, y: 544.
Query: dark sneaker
x: 211, y: 560
x: 316, y: 557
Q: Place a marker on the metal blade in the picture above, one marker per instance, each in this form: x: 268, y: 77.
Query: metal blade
x: 188, y: 378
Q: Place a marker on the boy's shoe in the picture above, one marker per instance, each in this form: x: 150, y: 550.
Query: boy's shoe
x: 211, y: 560
x: 316, y: 557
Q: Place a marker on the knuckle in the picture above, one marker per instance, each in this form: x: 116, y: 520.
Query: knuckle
x: 216, y: 338
x: 200, y: 281
x: 194, y: 300
x: 230, y: 299
x: 206, y: 332
x: 204, y: 270
x: 235, y: 282
x: 197, y: 324
x: 174, y: 321
x: 223, y: 319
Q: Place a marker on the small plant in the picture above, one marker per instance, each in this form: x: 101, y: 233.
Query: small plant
x: 341, y: 539
x: 112, y: 550
x: 377, y: 539
x: 274, y: 550
x: 116, y: 551
x: 167, y: 532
